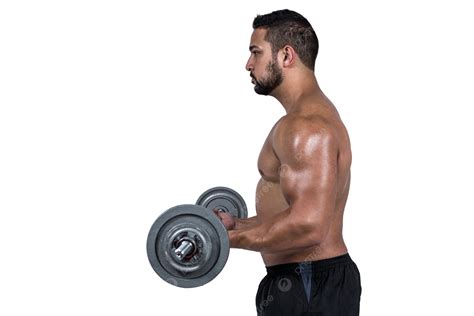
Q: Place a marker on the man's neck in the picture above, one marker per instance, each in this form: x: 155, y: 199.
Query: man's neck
x: 294, y: 90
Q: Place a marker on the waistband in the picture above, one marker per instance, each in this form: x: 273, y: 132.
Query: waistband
x: 318, y: 265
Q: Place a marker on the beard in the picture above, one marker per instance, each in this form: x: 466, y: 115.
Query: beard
x: 274, y: 77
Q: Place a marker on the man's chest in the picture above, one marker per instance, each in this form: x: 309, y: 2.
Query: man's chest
x: 268, y: 163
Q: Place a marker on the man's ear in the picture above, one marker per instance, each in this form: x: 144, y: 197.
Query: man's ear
x: 289, y: 56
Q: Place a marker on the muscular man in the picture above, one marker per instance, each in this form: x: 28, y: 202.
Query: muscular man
x: 305, y: 167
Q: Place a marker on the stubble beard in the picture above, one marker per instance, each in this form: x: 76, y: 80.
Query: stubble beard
x: 274, y: 78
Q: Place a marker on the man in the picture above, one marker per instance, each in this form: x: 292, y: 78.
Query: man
x: 305, y: 167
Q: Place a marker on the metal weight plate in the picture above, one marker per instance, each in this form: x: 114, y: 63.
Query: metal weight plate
x: 224, y: 199
x: 188, y: 246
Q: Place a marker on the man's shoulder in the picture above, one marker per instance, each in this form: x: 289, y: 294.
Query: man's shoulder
x: 301, y: 125
x: 301, y: 133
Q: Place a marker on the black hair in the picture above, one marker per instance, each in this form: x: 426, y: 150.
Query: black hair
x: 286, y: 27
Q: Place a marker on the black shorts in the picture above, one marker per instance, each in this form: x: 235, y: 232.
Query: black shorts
x: 329, y: 287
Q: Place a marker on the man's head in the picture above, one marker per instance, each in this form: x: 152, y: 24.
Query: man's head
x: 275, y: 32
x: 287, y: 27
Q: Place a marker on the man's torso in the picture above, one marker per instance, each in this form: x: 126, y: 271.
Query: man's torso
x: 270, y: 199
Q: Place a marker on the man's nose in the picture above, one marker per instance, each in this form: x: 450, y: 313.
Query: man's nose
x: 249, y: 65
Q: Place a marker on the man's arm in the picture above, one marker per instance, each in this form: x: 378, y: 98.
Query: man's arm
x: 308, y: 175
x: 246, y: 223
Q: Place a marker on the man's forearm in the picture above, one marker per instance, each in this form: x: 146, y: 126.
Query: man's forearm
x: 282, y: 233
x: 246, y: 223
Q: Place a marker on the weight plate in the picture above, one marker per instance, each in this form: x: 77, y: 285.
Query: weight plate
x: 225, y: 199
x: 201, y: 236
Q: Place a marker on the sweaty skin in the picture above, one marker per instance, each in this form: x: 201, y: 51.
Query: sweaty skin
x: 304, y: 165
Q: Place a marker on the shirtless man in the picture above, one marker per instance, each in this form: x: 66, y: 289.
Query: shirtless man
x: 305, y: 167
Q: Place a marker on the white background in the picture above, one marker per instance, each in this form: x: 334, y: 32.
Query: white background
x: 113, y: 111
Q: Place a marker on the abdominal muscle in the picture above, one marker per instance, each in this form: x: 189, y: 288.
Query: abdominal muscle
x: 269, y: 202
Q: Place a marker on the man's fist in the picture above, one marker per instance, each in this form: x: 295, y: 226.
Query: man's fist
x: 227, y: 219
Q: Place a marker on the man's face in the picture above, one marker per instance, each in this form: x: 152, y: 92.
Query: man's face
x: 264, y: 70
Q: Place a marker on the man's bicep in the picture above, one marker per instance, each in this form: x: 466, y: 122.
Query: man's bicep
x: 308, y: 174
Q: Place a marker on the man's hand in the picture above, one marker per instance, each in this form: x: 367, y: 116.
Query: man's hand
x: 227, y: 219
